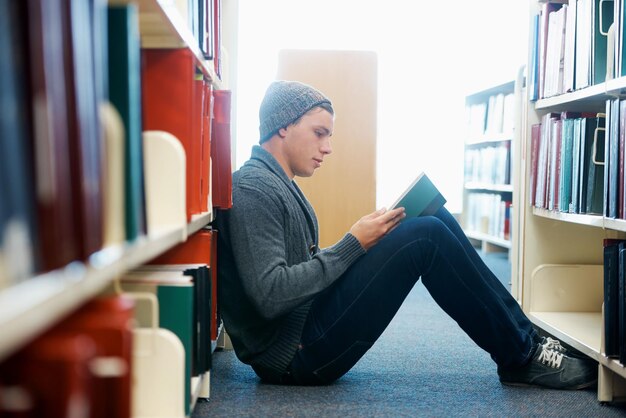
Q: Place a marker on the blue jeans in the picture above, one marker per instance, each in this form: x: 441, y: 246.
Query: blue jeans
x: 348, y: 317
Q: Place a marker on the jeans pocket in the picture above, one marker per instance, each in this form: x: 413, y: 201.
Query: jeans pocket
x: 339, y: 366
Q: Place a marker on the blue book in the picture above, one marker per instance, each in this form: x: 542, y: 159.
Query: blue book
x: 421, y: 198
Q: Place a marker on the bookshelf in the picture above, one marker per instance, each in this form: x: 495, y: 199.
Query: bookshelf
x: 559, y: 256
x: 32, y: 305
x: 487, y: 188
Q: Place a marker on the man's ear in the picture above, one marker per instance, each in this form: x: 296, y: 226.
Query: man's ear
x: 282, y: 132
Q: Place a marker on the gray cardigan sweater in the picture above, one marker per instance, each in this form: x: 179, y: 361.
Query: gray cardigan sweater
x: 270, y: 267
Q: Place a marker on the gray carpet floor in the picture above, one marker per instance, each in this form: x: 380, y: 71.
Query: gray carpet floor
x: 423, y: 365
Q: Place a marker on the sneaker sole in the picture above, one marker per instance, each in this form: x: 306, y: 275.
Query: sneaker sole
x: 530, y: 385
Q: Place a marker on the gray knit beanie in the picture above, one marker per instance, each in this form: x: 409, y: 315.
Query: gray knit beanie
x: 284, y: 102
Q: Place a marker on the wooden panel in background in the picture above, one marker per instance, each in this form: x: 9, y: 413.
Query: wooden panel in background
x: 344, y: 188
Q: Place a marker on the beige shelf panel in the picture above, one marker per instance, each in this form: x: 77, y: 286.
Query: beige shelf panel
x: 581, y: 330
x: 597, y: 221
x: 595, y: 95
x: 30, y: 307
x: 489, y: 187
x: 479, y: 236
x: 489, y: 139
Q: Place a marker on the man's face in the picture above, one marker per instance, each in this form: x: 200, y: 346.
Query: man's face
x: 308, y: 142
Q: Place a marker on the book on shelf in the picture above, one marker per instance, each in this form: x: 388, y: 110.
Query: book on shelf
x: 58, y: 242
x: 201, y: 357
x: 221, y: 187
x: 593, y: 183
x: 107, y: 321
x: 602, y: 20
x: 170, y: 104
x: 52, y: 374
x: 420, y: 198
x: 612, y: 277
x: 567, y: 163
x: 570, y: 47
x: 174, y: 292
x: 85, y: 148
x: 17, y: 189
x: 200, y: 248
x: 621, y: 297
x: 206, y: 203
x: 124, y: 58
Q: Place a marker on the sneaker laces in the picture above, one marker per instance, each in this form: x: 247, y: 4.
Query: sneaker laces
x: 550, y: 357
x: 552, y: 344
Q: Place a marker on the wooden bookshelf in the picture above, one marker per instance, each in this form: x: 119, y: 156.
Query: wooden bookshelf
x: 559, y: 255
x: 489, y: 138
x: 34, y: 304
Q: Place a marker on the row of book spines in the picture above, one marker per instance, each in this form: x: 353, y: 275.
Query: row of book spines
x: 489, y: 164
x: 488, y: 213
x: 91, y: 356
x: 602, y: 156
x: 567, y: 156
x: 614, y: 160
x: 204, y: 18
x: 570, y: 49
x: 55, y: 241
x: 493, y: 116
x: 100, y: 333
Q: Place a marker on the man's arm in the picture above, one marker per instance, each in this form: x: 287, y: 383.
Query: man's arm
x: 257, y: 233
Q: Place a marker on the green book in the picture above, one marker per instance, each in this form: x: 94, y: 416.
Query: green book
x: 421, y: 198
x: 175, y: 293
x: 125, y: 94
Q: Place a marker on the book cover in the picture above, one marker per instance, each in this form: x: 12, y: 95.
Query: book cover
x: 108, y: 321
x: 611, y: 296
x: 593, y: 170
x: 621, y: 310
x: 567, y: 140
x: 602, y: 15
x: 421, y: 198
x: 220, y: 150
x: 86, y: 149
x: 205, y: 187
x: 200, y: 248
x: 54, y: 375
x: 17, y: 190
x: 125, y: 94
x: 58, y: 242
x: 201, y: 276
x: 168, y: 92
x: 174, y: 291
x: 621, y: 210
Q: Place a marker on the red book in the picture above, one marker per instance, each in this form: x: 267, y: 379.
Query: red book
x: 621, y: 213
x: 56, y: 233
x: 200, y: 248
x: 86, y: 147
x: 108, y: 322
x: 534, y: 156
x: 206, y: 147
x: 170, y: 103
x: 52, y: 374
x: 220, y: 150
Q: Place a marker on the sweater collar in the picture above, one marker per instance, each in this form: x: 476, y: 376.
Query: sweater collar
x: 262, y: 157
x: 260, y: 154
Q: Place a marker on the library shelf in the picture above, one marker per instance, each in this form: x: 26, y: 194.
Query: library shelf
x: 32, y: 306
x: 488, y: 239
x: 162, y: 26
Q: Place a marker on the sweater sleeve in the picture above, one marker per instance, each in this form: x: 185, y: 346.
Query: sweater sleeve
x: 259, y: 244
